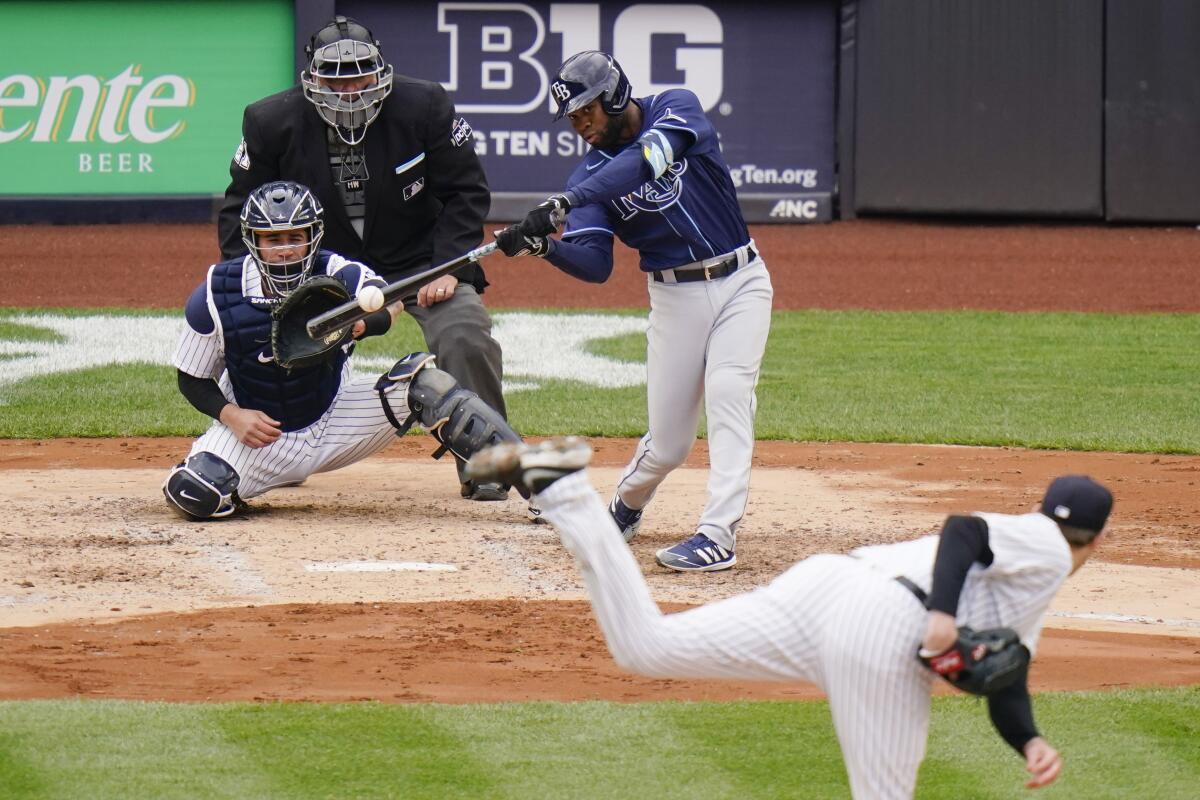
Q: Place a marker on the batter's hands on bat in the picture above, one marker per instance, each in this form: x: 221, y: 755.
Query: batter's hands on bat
x: 437, y: 291
x: 514, y: 243
x: 544, y: 219
x: 1042, y: 762
x: 252, y: 428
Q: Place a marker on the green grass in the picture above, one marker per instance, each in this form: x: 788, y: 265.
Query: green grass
x: 1069, y: 381
x: 1115, y: 745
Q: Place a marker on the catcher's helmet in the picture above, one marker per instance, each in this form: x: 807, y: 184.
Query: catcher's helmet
x: 345, y: 49
x: 282, y: 206
x: 589, y: 75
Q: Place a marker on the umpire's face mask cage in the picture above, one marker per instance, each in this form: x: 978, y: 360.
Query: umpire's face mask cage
x: 282, y: 228
x: 347, y: 81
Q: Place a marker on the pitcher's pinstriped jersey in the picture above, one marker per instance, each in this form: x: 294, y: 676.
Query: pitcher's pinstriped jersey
x: 1031, y: 559
x: 689, y: 214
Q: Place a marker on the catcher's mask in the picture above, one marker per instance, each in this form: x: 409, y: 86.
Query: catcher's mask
x: 589, y: 75
x: 283, y: 207
x: 345, y: 50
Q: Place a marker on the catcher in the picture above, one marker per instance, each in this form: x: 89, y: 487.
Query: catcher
x: 285, y: 407
x: 873, y: 628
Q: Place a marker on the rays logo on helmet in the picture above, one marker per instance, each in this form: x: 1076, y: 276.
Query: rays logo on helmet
x: 241, y: 157
x: 561, y: 91
x: 460, y: 132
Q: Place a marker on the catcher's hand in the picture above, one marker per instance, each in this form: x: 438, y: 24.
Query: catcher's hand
x: 980, y: 662
x: 291, y: 345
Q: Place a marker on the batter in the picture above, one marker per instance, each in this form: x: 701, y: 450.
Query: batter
x: 655, y: 178
x: 273, y: 426
x: 844, y: 622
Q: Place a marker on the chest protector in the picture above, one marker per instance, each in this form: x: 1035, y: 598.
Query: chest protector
x: 297, y: 397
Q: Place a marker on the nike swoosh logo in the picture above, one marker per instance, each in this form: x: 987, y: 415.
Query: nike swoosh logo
x: 265, y: 358
x: 183, y: 493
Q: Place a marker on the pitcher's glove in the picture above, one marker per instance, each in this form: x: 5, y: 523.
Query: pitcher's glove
x: 291, y: 345
x: 981, y: 662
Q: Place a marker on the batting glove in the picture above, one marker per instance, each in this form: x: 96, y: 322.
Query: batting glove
x: 514, y: 243
x: 546, y: 217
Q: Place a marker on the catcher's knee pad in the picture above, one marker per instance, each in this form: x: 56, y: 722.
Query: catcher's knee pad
x: 403, y: 371
x: 455, y: 416
x: 203, y: 487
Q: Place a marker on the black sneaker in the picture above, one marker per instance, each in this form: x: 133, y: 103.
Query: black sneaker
x: 534, y: 466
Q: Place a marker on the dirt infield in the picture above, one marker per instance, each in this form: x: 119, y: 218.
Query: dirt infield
x: 103, y: 593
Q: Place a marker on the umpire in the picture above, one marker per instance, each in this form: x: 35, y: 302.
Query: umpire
x: 396, y: 170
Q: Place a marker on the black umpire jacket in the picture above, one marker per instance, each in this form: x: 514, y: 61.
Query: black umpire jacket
x: 430, y: 212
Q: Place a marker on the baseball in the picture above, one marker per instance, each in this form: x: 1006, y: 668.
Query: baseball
x: 370, y: 298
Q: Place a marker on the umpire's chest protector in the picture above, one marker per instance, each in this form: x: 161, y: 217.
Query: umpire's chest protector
x: 297, y: 398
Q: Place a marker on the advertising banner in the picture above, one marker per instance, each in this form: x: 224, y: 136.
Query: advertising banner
x: 138, y: 98
x: 764, y: 73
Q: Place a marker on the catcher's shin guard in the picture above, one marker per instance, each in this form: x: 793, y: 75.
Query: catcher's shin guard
x: 457, y: 417
x: 203, y: 487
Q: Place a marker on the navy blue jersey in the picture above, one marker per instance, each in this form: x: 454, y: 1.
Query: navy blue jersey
x: 689, y: 214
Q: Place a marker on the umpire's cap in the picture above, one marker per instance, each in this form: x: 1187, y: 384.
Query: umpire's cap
x: 1078, y: 501
x: 587, y: 76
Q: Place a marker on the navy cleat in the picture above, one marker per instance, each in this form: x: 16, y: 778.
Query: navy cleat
x: 697, y: 554
x: 628, y: 520
x: 534, y: 466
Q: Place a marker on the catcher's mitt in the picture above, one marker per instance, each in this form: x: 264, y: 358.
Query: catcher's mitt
x: 290, y: 343
x: 981, y: 662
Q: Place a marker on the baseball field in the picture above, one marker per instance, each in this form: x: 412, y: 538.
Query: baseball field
x: 370, y: 634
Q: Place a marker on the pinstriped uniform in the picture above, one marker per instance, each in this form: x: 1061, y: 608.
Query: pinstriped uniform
x: 839, y: 621
x: 352, y: 428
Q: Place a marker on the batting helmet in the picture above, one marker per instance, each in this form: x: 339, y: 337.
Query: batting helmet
x: 589, y: 75
x: 283, y: 206
x: 346, y: 50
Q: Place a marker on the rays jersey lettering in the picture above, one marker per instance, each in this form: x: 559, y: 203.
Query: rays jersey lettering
x: 654, y: 196
x: 692, y: 211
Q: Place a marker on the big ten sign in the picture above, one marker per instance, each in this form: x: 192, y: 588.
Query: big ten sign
x: 764, y: 74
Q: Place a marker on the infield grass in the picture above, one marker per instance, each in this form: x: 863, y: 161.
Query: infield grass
x: 1065, y: 381
x: 1136, y: 743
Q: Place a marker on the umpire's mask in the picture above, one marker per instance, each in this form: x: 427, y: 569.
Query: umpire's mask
x: 347, y: 78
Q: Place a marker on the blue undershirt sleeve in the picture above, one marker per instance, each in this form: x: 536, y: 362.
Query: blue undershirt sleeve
x: 586, y: 256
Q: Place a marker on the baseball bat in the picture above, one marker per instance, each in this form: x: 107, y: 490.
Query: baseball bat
x: 348, y: 313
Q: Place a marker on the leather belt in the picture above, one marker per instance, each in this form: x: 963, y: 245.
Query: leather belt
x: 917, y: 591
x: 709, y: 269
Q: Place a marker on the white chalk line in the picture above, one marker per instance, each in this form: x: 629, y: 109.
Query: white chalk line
x: 378, y: 566
x: 1130, y: 618
x: 234, y: 564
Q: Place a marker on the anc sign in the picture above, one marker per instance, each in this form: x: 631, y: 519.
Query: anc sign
x: 134, y: 97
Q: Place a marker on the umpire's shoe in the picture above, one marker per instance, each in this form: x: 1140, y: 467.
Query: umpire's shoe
x: 534, y: 466
x: 484, y: 491
x: 697, y: 554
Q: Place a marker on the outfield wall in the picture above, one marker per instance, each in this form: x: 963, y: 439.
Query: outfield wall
x: 1067, y: 109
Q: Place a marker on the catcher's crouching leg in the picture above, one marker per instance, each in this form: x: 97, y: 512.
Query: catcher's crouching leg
x: 461, y: 422
x: 203, y: 487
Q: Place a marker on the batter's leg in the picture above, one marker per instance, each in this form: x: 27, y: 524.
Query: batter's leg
x: 680, y: 318
x: 734, y: 359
